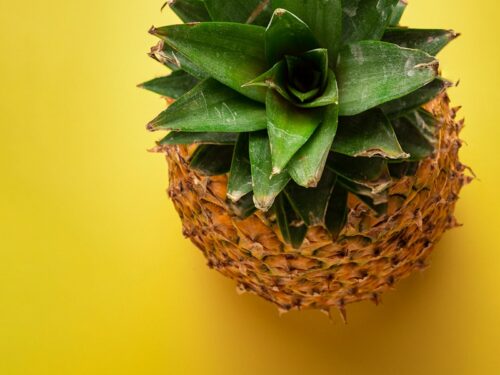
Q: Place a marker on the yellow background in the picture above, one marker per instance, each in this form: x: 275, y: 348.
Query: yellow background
x: 95, y: 276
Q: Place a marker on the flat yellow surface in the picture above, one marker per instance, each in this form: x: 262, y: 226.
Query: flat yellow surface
x: 95, y: 276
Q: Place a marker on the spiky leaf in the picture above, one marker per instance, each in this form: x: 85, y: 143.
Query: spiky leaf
x: 336, y: 214
x: 292, y: 232
x: 324, y: 18
x: 366, y: 135
x: 211, y: 160
x: 173, y: 86
x: 289, y: 128
x: 359, y: 168
x: 274, y: 78
x: 398, y: 107
x: 427, y: 40
x: 308, y: 164
x: 184, y: 138
x: 287, y: 35
x: 372, y: 173
x: 397, y: 12
x: 371, y: 73
x: 265, y: 187
x: 311, y: 204
x: 212, y: 107
x: 365, y: 19
x: 411, y: 140
x: 241, y: 11
x: 229, y: 52
x: 240, y: 178
x: 425, y: 122
x: 189, y: 10
x: 175, y: 60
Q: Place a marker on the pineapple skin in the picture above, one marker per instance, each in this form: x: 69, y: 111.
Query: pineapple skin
x: 371, y: 254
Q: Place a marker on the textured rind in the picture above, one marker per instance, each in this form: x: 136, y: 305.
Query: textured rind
x: 371, y: 254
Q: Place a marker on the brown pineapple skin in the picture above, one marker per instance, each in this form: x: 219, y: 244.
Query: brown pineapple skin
x: 371, y: 254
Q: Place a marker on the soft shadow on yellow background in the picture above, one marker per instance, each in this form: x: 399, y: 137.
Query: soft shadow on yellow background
x: 95, y: 276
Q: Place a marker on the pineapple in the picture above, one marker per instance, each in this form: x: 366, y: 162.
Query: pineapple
x: 312, y: 151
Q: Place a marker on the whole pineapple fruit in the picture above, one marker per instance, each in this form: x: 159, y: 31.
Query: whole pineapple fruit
x: 313, y: 155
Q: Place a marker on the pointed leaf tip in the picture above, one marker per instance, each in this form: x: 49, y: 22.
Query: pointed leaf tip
x: 151, y: 127
x: 168, y: 3
x: 324, y: 18
x: 287, y: 35
x: 212, y: 107
x: 307, y: 165
x: 266, y: 189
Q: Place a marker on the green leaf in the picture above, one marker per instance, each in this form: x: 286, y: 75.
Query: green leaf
x: 425, y: 122
x: 173, y: 86
x: 244, y: 207
x: 427, y: 40
x: 324, y: 18
x: 411, y: 140
x: 183, y: 138
x: 397, y: 12
x: 189, y: 10
x: 367, y: 135
x: 306, y: 167
x: 311, y: 203
x: 212, y: 107
x: 303, y: 96
x: 292, y: 232
x: 174, y: 60
x: 417, y: 134
x: 371, y: 73
x: 336, y: 214
x: 289, y: 128
x: 372, y: 173
x: 240, y: 178
x: 275, y: 78
x: 358, y: 168
x: 231, y: 53
x: 265, y: 187
x: 398, y: 107
x: 211, y: 160
x: 241, y: 11
x: 287, y: 35
x: 365, y: 19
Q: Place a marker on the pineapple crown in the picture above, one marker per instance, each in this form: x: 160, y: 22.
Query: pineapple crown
x: 301, y: 102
